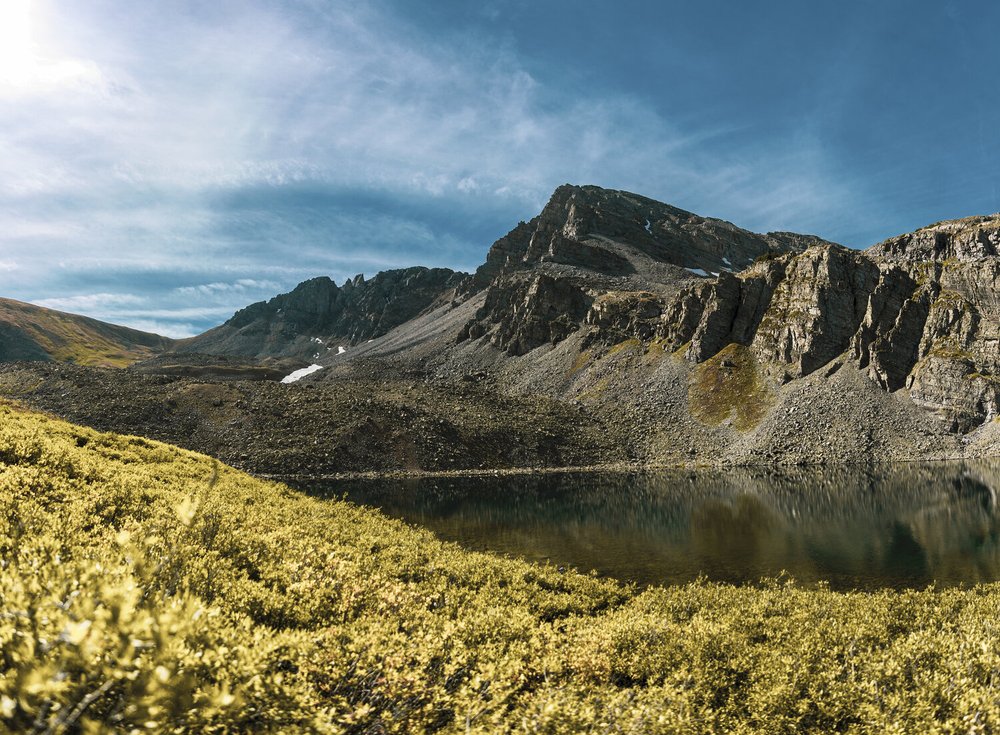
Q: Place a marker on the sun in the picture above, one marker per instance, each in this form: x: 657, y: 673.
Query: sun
x: 17, y: 50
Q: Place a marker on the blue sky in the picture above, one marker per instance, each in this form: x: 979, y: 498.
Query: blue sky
x: 165, y: 163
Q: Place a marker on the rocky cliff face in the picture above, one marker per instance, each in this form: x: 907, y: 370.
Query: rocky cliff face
x: 949, y: 325
x: 920, y: 313
x: 318, y: 316
x: 588, y: 242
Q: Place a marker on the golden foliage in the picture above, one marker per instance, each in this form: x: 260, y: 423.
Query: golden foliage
x: 147, y: 589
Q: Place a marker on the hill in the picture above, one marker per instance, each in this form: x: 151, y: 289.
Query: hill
x: 29, y: 332
x: 148, y: 588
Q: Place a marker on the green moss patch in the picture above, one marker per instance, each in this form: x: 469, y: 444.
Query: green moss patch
x: 948, y: 349
x: 730, y: 387
x: 628, y: 344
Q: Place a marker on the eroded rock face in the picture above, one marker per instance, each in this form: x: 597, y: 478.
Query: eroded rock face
x: 317, y: 315
x: 597, y: 241
x: 948, y: 385
x: 620, y: 315
x: 966, y: 239
x: 522, y: 313
x: 920, y: 313
x: 815, y: 310
x: 796, y: 313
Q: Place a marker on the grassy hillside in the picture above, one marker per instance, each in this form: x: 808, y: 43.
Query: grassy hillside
x: 29, y: 332
x: 146, y: 588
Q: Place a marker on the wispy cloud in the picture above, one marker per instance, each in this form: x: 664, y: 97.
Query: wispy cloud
x: 241, y: 286
x: 223, y: 152
x: 94, y: 302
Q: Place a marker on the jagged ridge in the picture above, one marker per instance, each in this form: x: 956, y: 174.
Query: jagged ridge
x: 543, y: 277
x: 317, y: 315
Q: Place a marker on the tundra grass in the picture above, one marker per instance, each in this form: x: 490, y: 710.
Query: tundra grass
x: 144, y: 588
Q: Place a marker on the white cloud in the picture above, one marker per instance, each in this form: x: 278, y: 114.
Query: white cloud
x: 142, y: 129
x: 92, y: 303
x: 241, y: 286
x: 172, y: 329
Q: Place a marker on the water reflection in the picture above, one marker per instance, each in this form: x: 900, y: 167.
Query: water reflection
x: 854, y: 527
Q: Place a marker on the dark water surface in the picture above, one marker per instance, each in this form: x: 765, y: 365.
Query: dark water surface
x: 854, y: 527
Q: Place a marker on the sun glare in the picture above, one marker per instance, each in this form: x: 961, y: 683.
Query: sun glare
x: 17, y: 52
x: 27, y: 68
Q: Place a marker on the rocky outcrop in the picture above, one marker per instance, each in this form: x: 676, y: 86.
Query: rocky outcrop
x: 620, y: 315
x: 966, y: 239
x: 919, y: 313
x: 598, y: 241
x: 317, y: 315
x: 815, y: 310
x: 796, y: 313
x: 524, y: 313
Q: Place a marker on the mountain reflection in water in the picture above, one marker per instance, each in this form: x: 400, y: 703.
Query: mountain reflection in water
x: 854, y: 527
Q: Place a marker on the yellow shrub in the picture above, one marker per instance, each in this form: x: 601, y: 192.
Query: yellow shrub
x: 146, y: 589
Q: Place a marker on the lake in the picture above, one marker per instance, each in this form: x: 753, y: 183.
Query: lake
x: 853, y: 527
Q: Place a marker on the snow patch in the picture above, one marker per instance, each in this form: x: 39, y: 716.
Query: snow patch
x: 341, y: 350
x: 649, y: 227
x: 317, y: 340
x: 299, y: 374
x: 698, y: 272
x: 727, y: 261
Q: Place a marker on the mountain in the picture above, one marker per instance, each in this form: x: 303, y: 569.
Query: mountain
x: 611, y: 330
x: 792, y: 349
x: 318, y: 316
x: 29, y: 332
x: 543, y: 277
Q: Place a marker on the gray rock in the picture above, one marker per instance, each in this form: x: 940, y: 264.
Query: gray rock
x: 317, y: 315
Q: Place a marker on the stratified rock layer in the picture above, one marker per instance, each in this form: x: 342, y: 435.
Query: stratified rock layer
x: 919, y: 312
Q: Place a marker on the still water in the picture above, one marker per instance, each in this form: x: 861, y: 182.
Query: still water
x: 853, y: 527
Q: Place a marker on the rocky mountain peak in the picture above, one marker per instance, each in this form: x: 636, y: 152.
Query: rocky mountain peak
x: 971, y: 238
x: 618, y: 233
x: 593, y: 241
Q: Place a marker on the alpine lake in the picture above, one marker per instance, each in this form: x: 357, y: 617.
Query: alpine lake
x: 897, y: 526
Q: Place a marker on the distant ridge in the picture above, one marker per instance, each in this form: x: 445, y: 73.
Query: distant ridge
x: 318, y: 316
x: 29, y: 332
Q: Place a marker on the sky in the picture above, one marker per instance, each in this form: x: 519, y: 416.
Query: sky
x: 164, y: 163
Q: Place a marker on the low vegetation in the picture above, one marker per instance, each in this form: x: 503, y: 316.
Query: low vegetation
x: 144, y: 588
x: 35, y: 333
x: 729, y: 387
